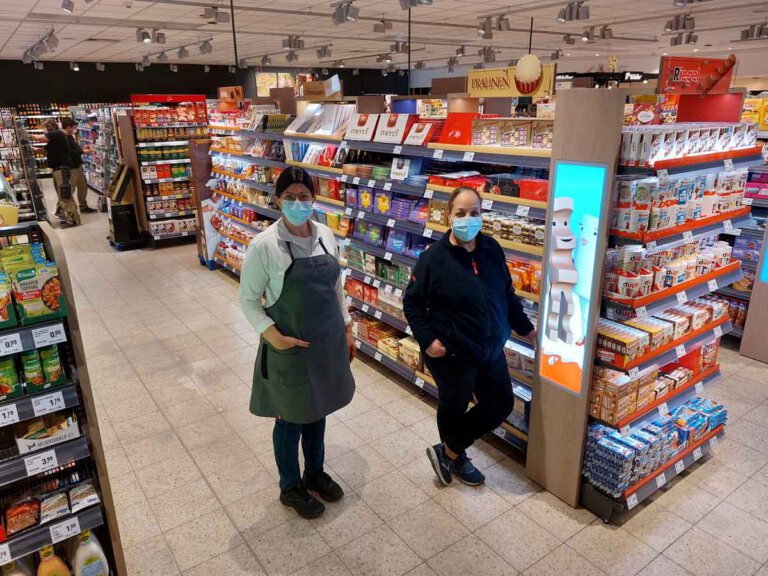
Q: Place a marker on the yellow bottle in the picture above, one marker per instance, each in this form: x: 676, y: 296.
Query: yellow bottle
x: 51, y: 565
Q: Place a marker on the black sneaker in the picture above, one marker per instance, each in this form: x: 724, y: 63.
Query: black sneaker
x: 87, y: 210
x: 323, y: 485
x: 466, y: 471
x: 441, y: 464
x: 67, y: 224
x: 306, y: 505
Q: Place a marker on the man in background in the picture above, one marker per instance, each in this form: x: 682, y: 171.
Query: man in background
x: 60, y: 161
x: 79, y: 182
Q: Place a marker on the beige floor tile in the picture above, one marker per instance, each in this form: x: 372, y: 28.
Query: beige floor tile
x: 176, y: 507
x: 142, y: 426
x: 383, y: 391
x: 421, y: 473
x: 740, y: 529
x: 507, y: 478
x: 339, y: 440
x: 378, y: 553
x: 426, y: 430
x: 287, y: 548
x: 423, y: 570
x: 470, y: 557
x: 663, y: 566
x: 756, y: 372
x: 188, y: 412
x: 346, y: 520
x: 169, y: 474
x: 232, y: 481
x: 705, y: 555
x: 473, y: 506
x: 117, y: 461
x: 373, y: 424
x: 612, y: 549
x: 181, y: 341
x: 750, y: 433
x: 151, y: 557
x: 556, y: 516
x: 716, y: 478
x: 391, y: 494
x: 328, y: 565
x: 130, y: 407
x: 360, y: 466
x: 686, y: 500
x: 759, y: 414
x: 484, y: 455
x: 563, y: 561
x: 359, y: 405
x: 409, y: 410
x: 428, y: 529
x: 152, y: 449
x: 126, y: 490
x: 236, y: 394
x: 235, y: 562
x: 258, y: 435
x: 655, y: 525
x: 205, y: 431
x: 137, y: 523
x: 202, y: 539
x: 741, y: 458
x: 518, y: 539
x: 400, y: 448
x: 260, y: 511
x: 752, y: 497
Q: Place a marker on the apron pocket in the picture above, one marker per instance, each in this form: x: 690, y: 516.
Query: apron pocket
x: 286, y: 367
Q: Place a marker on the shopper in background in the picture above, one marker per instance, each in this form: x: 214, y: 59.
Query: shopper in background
x: 60, y: 162
x: 461, y: 306
x: 69, y: 126
x: 302, y: 371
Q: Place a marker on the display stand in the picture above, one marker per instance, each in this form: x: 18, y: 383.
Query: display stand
x: 85, y: 452
x: 31, y: 119
x: 753, y: 343
x: 96, y: 128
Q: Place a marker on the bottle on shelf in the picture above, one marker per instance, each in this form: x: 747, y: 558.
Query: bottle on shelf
x: 20, y: 567
x: 90, y: 559
x: 51, y: 565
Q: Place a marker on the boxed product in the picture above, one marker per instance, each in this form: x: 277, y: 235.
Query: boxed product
x: 542, y: 134
x: 438, y: 212
x: 10, y: 386
x: 47, y: 431
x: 361, y: 127
x: 370, y: 295
x: 420, y: 133
x: 37, y: 289
x: 355, y: 289
x: 620, y: 343
x: 660, y: 332
x: 403, y: 168
x: 393, y: 128
x: 388, y: 346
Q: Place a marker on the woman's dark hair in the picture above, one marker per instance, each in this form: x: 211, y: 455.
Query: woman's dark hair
x: 67, y: 122
x: 461, y: 190
x: 293, y: 175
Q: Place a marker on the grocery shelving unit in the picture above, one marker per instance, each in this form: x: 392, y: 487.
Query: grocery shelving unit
x: 96, y: 129
x: 31, y: 118
x: 23, y: 473
x: 30, y: 193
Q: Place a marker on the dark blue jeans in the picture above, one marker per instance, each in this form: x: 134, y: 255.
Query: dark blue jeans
x: 286, y: 437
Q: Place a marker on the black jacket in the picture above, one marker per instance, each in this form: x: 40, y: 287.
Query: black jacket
x: 75, y: 152
x: 464, y: 299
x: 58, y: 150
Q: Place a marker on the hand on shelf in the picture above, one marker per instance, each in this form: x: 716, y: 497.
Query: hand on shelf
x: 280, y: 341
x: 533, y: 337
x: 436, y: 349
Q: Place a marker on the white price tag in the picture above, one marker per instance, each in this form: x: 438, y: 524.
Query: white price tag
x: 487, y: 204
x: 651, y: 245
x: 167, y: 214
x: 523, y: 210
x: 713, y: 442
x: 343, y: 144
x: 358, y: 344
x: 438, y: 154
x: 663, y: 409
x: 427, y: 233
x: 355, y: 180
x: 718, y: 331
x: 500, y: 432
x: 388, y: 186
x: 697, y: 453
x: 728, y: 226
x: 419, y: 382
x: 398, y: 293
x: 41, y: 462
x: 376, y: 283
x: 661, y: 479
x: 631, y: 501
x: 377, y: 356
x: 8, y: 415
x: 348, y: 300
x: 633, y: 372
x: 391, y: 223
x: 397, y: 149
x: 388, y: 256
x: 49, y: 335
x: 343, y: 177
x: 682, y: 297
x: 641, y: 312
x: 387, y: 288
x: 48, y: 403
x: 712, y: 285
x: 428, y: 193
x: 469, y: 156
x: 5, y: 554
x: 360, y: 215
x: 368, y: 280
x: 365, y: 308
x: 663, y: 173
x: 680, y: 350
x: 625, y: 430
x: 699, y: 387
x: 408, y: 331
x: 679, y: 466
x: 687, y: 235
x: 728, y: 162
x: 348, y: 211
x: 65, y: 530
x: 10, y: 344
x: 371, y: 183
x: 747, y: 201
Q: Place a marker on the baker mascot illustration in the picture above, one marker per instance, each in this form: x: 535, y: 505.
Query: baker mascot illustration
x: 584, y: 259
x: 562, y: 273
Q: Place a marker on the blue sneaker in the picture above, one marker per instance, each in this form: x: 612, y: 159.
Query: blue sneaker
x: 466, y: 471
x: 441, y: 464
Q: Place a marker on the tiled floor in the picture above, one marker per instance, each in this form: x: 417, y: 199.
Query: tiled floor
x: 194, y: 480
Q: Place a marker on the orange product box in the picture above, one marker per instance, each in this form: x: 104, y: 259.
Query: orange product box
x: 458, y: 128
x: 534, y: 189
x: 371, y: 295
x: 355, y: 289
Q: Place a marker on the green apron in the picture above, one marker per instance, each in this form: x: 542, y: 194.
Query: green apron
x: 303, y: 385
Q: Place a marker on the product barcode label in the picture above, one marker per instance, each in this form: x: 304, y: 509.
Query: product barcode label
x: 376, y: 283
x: 388, y: 186
x: 355, y: 180
x: 469, y: 156
x: 718, y: 331
x: 437, y: 155
x: 680, y: 350
x: 343, y: 144
x: 365, y: 307
x: 8, y: 415
x: 625, y: 430
x: 360, y: 215
x: 747, y: 201
x: 663, y: 173
x: 523, y: 210
x: 388, y: 256
x: 398, y: 292
x: 651, y: 245
x: 48, y: 403
x: 343, y: 177
x: 371, y: 183
x: 663, y: 409
x: 10, y: 344
x: 699, y: 387
x: 391, y: 223
x: 427, y: 233
x: 712, y: 285
x: 5, y: 554
x: 713, y: 441
x: 661, y: 479
x: 641, y: 312
x: 41, y: 462
x: 697, y: 453
x: 428, y: 193
x: 377, y: 356
x: 682, y: 297
x: 65, y: 530
x: 377, y: 314
x: 419, y: 382
x: 679, y: 466
x: 49, y: 335
x: 487, y: 204
x: 728, y: 226
x: 687, y: 235
x: 631, y: 501
x: 728, y: 163
x: 397, y: 150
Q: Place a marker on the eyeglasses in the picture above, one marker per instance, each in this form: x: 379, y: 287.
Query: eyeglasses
x: 303, y: 197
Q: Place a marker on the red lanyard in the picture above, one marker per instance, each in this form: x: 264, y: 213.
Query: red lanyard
x: 474, y: 267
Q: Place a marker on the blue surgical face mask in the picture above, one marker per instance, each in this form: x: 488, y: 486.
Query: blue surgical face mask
x: 297, y: 212
x: 466, y: 228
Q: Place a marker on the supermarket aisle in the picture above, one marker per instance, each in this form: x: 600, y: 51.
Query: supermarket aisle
x: 170, y: 358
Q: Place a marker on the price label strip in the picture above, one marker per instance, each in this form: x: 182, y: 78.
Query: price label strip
x: 687, y: 235
x: 487, y: 204
x: 697, y: 453
x: 428, y: 193
x: 631, y: 501
x: 49, y: 403
x: 388, y: 186
x: 713, y: 442
x: 682, y: 297
x: 523, y: 210
x: 48, y: 335
x: 718, y: 331
x: 65, y: 530
x: 438, y: 154
x: 41, y: 462
x: 10, y: 344
x: 680, y: 350
x: 377, y: 314
x: 679, y: 466
x: 377, y: 356
x: 419, y: 382
x: 663, y: 409
x: 661, y: 479
x: 712, y: 285
x: 397, y: 149
x: 469, y: 156
x: 699, y: 387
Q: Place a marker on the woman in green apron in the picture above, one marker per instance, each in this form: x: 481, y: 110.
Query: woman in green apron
x: 291, y: 292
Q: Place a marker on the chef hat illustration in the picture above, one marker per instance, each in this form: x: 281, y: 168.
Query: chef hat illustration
x: 563, y: 203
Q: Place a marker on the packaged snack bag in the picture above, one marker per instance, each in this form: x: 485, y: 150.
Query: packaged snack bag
x: 33, y: 368
x: 49, y: 357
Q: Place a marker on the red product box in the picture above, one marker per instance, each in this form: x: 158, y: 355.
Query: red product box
x: 371, y: 295
x: 534, y: 189
x: 458, y: 128
x: 355, y: 289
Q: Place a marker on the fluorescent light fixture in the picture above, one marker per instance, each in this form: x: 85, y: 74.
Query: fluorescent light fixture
x: 74, y: 66
x: 100, y: 67
x: 68, y: 5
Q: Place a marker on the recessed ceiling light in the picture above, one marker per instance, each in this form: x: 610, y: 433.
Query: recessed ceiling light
x: 597, y: 53
x: 567, y: 53
x: 665, y: 54
x: 730, y: 47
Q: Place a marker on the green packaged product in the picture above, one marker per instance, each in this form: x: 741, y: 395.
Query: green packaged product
x: 49, y: 357
x: 33, y: 368
x: 9, y: 378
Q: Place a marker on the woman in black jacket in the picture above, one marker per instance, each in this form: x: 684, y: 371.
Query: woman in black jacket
x: 461, y: 307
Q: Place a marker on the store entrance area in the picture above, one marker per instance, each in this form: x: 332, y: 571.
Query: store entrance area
x: 193, y: 476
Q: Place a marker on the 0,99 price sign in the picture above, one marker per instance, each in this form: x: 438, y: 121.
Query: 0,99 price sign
x: 48, y: 335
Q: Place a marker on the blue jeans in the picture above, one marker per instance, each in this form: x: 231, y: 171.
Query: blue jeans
x: 285, y: 438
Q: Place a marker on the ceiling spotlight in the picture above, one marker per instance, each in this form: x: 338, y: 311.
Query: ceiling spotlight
x: 266, y: 60
x: 38, y: 50
x: 146, y: 61
x: 143, y: 36
x: 676, y: 40
x: 242, y: 64
x: 405, y: 4
x: 679, y: 3
x: 695, y: 49
x: 588, y: 35
x: 173, y: 67
x: 68, y: 5
x: 513, y: 62
x: 325, y: 71
x: 323, y: 52
x: 162, y: 57
x: 292, y: 56
x: 568, y: 39
x: 182, y: 52
x: 388, y: 58
x: 382, y: 27
x: 100, y: 67
x: 38, y: 65
x: 420, y: 65
x: 555, y: 55
x: 573, y: 11
x: 52, y: 41
x: 344, y: 12
x: 26, y: 57
x: 502, y: 24
x: 606, y: 33
x: 356, y: 72
x: 485, y: 29
x: 479, y: 66
x: 215, y: 16
x: 159, y: 37
x: 401, y: 72
x: 689, y: 22
x: 206, y: 47
x: 232, y: 69
x: 293, y: 43
x: 139, y: 67
x: 488, y: 54
x: 74, y: 66
x: 669, y: 26
x: 561, y: 19
x: 691, y: 38
x: 583, y: 12
x: 206, y: 68
x: 383, y: 71
x: 461, y: 51
x: 452, y: 61
x: 339, y: 64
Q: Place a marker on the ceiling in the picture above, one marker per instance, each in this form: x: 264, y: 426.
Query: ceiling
x: 105, y: 30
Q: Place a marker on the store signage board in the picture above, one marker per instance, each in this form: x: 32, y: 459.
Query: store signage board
x: 570, y: 299
x: 679, y: 75
x: 503, y: 83
x: 230, y: 98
